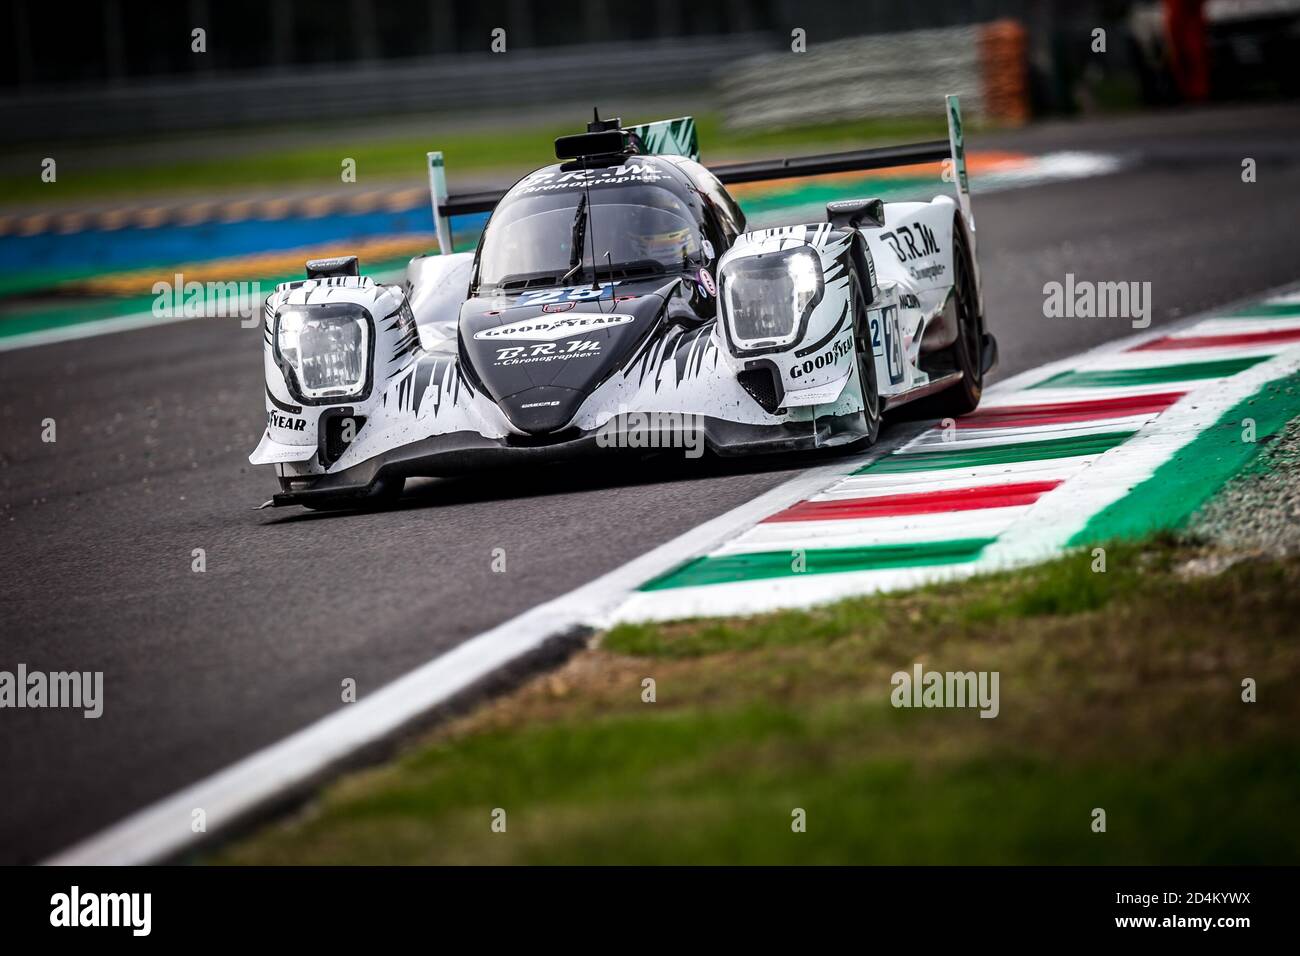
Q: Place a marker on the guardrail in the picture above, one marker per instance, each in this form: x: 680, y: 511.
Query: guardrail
x: 462, y: 82
x: 895, y: 74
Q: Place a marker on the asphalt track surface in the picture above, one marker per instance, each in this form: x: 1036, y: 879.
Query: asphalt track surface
x: 154, y: 427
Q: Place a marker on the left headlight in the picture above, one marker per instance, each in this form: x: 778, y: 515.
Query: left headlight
x: 326, y: 348
x: 767, y: 298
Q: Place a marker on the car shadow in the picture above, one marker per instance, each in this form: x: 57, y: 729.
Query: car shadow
x: 610, y: 471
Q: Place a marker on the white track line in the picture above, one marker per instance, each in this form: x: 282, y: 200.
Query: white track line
x: 866, y: 532
x: 743, y: 598
x: 86, y: 330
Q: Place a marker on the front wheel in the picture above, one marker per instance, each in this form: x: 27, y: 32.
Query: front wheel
x: 967, y: 351
x: 871, y: 405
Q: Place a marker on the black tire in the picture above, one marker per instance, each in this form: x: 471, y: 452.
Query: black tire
x: 382, y: 494
x: 871, y: 412
x: 967, y: 351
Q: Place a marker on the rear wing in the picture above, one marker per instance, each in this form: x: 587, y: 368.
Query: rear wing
x: 678, y: 137
x: 881, y: 157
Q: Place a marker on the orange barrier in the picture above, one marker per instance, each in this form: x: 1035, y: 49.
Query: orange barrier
x: 1003, y: 60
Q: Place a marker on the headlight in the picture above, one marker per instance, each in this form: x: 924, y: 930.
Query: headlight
x: 767, y: 298
x: 326, y: 347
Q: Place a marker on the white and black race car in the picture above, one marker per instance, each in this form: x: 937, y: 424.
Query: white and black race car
x: 618, y: 290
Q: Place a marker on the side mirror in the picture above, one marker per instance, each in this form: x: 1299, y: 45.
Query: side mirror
x: 855, y: 212
x: 331, y: 268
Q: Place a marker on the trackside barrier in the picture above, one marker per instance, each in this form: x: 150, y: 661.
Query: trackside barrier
x: 895, y: 74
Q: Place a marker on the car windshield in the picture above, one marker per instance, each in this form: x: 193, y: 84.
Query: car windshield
x: 531, y: 239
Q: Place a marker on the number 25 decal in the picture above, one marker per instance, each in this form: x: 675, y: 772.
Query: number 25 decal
x: 576, y: 293
x: 886, y: 342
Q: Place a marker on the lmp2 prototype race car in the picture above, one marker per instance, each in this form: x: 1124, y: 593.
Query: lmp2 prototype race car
x: 618, y: 291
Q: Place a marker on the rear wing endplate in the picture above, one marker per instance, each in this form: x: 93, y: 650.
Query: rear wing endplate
x: 957, y: 144
x: 674, y: 137
x: 462, y: 204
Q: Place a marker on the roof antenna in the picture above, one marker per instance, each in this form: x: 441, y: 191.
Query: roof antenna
x: 598, y: 125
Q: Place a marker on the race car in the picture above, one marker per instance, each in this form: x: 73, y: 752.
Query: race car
x: 617, y: 292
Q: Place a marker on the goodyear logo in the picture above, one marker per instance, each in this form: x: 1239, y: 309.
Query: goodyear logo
x: 550, y: 328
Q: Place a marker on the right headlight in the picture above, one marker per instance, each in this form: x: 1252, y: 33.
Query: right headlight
x: 767, y: 298
x: 326, y: 350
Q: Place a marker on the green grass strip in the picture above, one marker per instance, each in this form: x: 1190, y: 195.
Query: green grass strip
x: 781, y: 564
x: 1167, y: 499
x: 1046, y: 448
x: 1156, y: 375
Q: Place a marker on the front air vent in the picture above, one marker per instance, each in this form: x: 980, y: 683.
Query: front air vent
x: 338, y: 429
x: 762, y: 381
